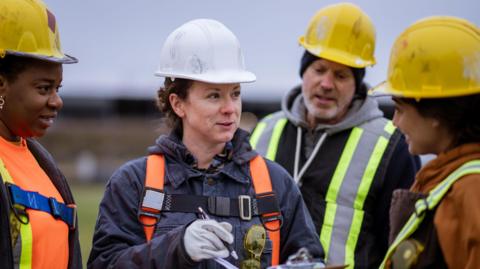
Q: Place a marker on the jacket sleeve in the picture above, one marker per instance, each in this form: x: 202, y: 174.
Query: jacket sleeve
x: 298, y: 229
x: 457, y: 222
x: 400, y: 174
x: 119, y: 240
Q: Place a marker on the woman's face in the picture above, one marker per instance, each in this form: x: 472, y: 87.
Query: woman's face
x: 424, y: 135
x: 31, y: 100
x: 210, y: 114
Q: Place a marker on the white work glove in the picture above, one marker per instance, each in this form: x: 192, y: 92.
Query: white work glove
x: 204, y: 239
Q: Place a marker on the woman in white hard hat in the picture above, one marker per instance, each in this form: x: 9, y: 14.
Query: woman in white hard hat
x: 203, y: 194
x: 38, y: 215
x: 435, y: 84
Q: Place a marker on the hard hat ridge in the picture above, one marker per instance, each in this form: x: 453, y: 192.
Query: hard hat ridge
x: 29, y: 29
x: 341, y: 33
x: 436, y: 57
x: 203, y: 50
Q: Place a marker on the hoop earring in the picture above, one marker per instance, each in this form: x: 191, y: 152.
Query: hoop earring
x: 2, y: 102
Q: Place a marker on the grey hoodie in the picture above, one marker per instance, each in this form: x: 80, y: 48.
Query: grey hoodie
x: 293, y: 106
x: 360, y: 111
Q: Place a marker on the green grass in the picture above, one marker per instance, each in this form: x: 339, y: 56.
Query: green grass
x: 87, y: 197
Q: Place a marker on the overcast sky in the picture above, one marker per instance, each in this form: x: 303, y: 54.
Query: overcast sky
x: 118, y: 42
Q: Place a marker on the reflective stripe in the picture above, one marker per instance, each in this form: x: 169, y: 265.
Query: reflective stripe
x: 25, y: 237
x: 389, y: 127
x: 434, y: 198
x: 359, y: 202
x: 350, y: 184
x: 256, y: 134
x: 349, y: 188
x: 277, y: 133
x: 267, y: 134
x: 331, y: 214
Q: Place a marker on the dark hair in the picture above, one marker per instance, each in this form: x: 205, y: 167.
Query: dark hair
x: 458, y: 114
x: 11, y: 66
x: 179, y: 87
x: 358, y: 74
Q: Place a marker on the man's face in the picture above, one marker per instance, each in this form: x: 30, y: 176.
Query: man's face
x: 328, y: 89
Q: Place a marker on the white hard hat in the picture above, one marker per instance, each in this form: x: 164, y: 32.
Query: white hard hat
x: 203, y: 50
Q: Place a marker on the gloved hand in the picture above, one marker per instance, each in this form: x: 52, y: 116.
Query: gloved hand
x: 204, y: 239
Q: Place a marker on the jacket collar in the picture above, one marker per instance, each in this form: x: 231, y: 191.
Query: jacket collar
x: 181, y: 163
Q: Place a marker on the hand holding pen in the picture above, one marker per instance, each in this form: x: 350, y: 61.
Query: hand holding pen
x: 204, y: 215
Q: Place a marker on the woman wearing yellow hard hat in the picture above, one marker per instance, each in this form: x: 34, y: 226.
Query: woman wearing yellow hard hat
x: 38, y: 214
x: 434, y: 78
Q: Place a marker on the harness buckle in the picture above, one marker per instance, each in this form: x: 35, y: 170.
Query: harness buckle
x: 418, y: 210
x: 18, y: 210
x: 152, y: 204
x: 245, y: 207
x: 153, y: 198
x: 270, y: 218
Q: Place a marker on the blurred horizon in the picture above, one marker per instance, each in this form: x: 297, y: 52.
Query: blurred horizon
x: 118, y: 43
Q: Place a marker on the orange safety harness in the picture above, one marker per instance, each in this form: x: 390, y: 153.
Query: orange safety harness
x: 264, y: 204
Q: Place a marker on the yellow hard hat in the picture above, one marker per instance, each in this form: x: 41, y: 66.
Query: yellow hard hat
x: 29, y: 29
x: 434, y: 58
x: 341, y: 33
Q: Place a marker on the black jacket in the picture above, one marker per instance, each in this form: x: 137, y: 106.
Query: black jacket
x: 119, y: 240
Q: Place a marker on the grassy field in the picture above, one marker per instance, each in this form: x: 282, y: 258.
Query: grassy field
x: 87, y: 197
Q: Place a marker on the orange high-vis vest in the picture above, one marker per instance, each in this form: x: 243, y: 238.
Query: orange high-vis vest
x: 261, y: 181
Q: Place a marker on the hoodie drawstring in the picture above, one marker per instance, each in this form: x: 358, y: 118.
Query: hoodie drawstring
x: 297, y: 176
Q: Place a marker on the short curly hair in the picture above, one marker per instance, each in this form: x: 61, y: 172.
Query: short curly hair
x: 179, y: 87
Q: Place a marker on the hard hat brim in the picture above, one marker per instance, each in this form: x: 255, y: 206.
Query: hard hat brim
x: 223, y: 77
x: 383, y: 89
x: 66, y: 59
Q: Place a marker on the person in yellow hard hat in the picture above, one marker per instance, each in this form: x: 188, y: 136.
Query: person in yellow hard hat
x: 38, y: 227
x: 434, y: 78
x: 346, y: 157
x: 202, y: 197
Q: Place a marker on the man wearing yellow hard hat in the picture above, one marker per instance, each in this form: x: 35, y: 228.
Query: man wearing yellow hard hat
x: 346, y: 157
x: 38, y: 217
x: 434, y: 78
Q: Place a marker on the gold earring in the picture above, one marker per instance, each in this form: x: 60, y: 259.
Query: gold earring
x: 2, y: 102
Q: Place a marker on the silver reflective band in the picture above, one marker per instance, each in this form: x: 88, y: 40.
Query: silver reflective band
x: 153, y: 199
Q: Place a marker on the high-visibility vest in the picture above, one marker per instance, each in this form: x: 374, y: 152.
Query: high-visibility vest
x: 21, y: 228
x: 434, y: 197
x: 351, y: 181
x: 154, y: 183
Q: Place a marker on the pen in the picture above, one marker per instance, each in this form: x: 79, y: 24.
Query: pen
x: 229, y: 247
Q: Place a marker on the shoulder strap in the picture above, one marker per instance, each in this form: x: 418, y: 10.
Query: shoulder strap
x: 152, y: 198
x: 263, y: 187
x: 434, y: 198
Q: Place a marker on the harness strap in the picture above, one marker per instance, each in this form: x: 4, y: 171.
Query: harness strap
x: 152, y: 199
x: 265, y: 204
x: 263, y: 187
x: 36, y: 201
x: 243, y: 206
